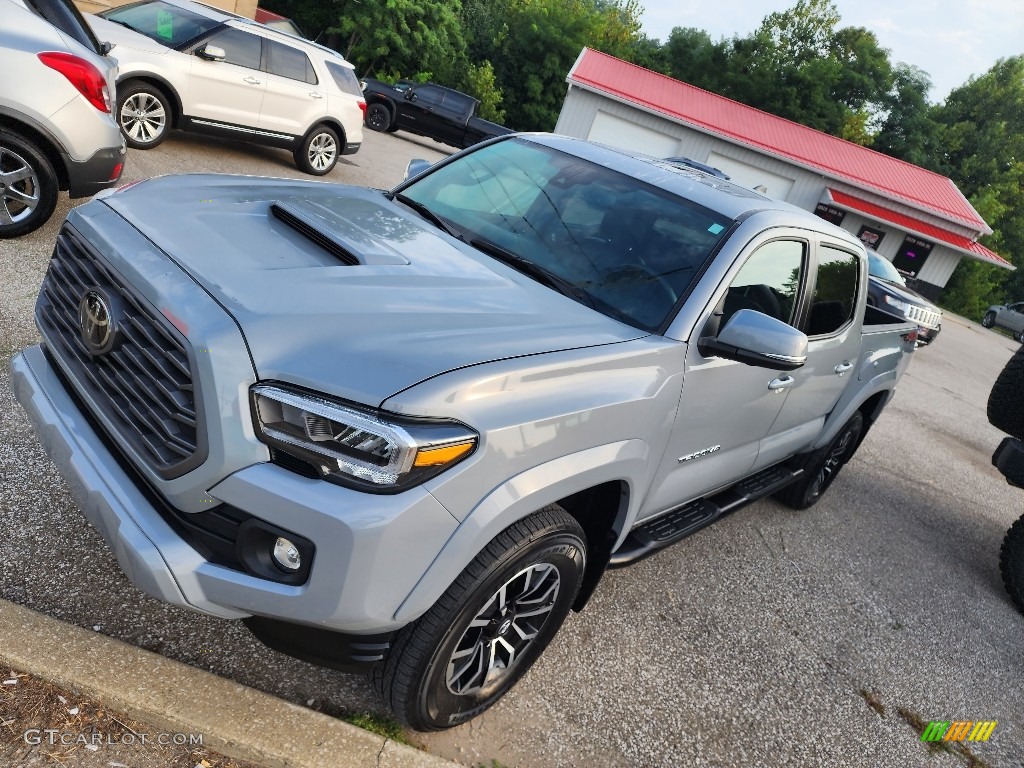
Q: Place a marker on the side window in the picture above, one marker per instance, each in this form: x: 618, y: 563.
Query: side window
x: 241, y: 48
x: 769, y: 282
x: 835, y: 293
x: 429, y: 97
x: 345, y: 79
x: 289, y: 62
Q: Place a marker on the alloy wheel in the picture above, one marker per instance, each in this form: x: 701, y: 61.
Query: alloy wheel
x: 19, y: 188
x: 322, y: 152
x: 502, y: 630
x: 143, y: 118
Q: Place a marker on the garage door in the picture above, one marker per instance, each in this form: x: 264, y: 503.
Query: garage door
x: 617, y: 132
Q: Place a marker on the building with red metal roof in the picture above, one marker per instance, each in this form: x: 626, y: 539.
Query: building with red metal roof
x: 916, y: 218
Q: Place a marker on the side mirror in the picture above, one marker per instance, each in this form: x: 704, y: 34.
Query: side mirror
x: 410, y: 95
x: 416, y: 167
x: 105, y: 48
x: 754, y: 338
x: 212, y: 53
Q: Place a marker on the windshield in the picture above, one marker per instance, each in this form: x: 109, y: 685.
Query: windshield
x: 883, y: 268
x: 165, y: 23
x: 623, y: 247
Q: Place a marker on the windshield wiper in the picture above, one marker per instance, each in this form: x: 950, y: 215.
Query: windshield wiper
x: 427, y: 214
x: 532, y: 269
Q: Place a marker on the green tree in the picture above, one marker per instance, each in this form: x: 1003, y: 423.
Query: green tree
x: 982, y: 124
x: 480, y: 83
x: 909, y: 129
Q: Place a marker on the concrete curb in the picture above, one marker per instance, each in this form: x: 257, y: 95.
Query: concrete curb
x: 237, y: 721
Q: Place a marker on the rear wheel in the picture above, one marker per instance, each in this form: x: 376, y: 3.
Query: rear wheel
x: 486, y: 631
x: 1011, y: 563
x: 823, y: 467
x: 318, y: 153
x: 144, y: 115
x: 28, y: 186
x: 989, y: 319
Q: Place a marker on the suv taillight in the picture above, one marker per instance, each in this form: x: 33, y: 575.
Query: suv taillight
x: 362, y: 106
x: 81, y: 74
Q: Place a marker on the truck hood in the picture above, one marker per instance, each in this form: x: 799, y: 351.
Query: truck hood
x: 903, y: 293
x: 417, y: 303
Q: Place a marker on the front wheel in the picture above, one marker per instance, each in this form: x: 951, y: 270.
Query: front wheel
x: 823, y: 467
x: 486, y: 631
x: 143, y: 115
x: 318, y: 153
x: 989, y: 319
x: 1011, y: 563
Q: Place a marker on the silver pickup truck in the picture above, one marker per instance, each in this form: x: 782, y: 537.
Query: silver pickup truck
x: 406, y: 432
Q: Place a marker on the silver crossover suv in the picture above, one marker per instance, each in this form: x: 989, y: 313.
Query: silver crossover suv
x: 56, y: 128
x: 186, y: 65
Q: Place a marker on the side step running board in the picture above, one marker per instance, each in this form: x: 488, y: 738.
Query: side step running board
x: 648, y: 538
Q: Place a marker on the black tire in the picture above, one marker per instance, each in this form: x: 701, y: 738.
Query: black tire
x: 1011, y: 563
x: 319, y: 151
x: 1005, y: 406
x: 143, y: 114
x: 378, y: 117
x: 1019, y: 337
x: 823, y: 467
x: 542, y: 556
x: 28, y: 186
x: 989, y: 319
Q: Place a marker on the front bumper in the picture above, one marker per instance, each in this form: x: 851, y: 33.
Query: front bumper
x: 927, y: 335
x: 100, y: 171
x: 370, y: 550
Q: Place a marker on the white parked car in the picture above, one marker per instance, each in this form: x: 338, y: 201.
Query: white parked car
x: 189, y: 66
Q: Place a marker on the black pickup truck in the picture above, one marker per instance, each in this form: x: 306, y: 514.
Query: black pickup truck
x: 430, y: 110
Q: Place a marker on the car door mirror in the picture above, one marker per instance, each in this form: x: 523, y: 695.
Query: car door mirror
x: 415, y: 167
x: 105, y: 48
x: 410, y: 95
x: 754, y: 338
x: 212, y: 53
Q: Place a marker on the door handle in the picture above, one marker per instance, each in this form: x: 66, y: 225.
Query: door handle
x: 843, y: 367
x: 316, y: 95
x: 252, y: 80
x: 782, y: 383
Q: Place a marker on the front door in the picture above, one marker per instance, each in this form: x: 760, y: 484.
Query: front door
x: 729, y: 408
x: 228, y: 92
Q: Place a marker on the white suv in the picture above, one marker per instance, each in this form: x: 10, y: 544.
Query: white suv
x: 190, y: 66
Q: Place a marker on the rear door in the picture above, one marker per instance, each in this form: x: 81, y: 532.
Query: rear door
x: 228, y: 92
x: 295, y: 100
x: 831, y: 322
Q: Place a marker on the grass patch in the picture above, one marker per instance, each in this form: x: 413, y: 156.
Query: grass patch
x: 382, y: 726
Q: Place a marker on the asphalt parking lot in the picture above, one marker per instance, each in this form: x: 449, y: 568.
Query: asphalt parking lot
x: 772, y: 638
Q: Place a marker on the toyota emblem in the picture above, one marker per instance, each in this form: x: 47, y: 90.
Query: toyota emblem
x: 95, y: 318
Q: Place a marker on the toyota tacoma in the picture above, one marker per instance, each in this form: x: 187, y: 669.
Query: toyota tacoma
x: 408, y: 431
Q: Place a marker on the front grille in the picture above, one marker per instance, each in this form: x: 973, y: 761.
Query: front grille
x: 925, y: 317
x: 143, y: 387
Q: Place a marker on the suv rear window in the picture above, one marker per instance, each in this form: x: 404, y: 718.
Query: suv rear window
x: 167, y: 24
x: 344, y: 78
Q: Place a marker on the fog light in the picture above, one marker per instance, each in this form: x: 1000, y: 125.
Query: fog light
x: 286, y: 554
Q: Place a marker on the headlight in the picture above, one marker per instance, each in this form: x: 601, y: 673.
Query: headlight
x: 364, y: 449
x: 902, y: 306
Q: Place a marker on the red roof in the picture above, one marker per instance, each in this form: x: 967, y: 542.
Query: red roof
x: 263, y: 16
x: 863, y: 167
x: 959, y: 242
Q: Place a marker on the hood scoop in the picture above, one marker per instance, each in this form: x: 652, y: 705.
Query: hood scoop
x: 339, y: 236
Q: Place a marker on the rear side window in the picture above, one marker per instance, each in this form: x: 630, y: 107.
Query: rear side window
x: 289, y: 62
x: 65, y: 17
x: 835, y: 293
x: 345, y: 79
x: 241, y: 48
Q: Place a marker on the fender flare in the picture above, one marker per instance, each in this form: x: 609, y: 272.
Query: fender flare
x: 176, y: 105
x: 519, y: 497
